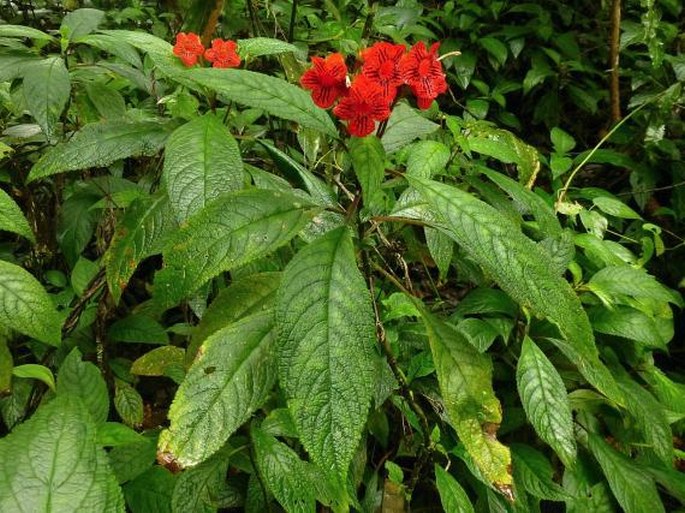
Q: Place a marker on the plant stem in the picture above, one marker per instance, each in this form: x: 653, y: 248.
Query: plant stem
x: 614, y: 91
x: 291, y: 27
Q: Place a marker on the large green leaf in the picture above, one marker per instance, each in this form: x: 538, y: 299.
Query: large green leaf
x: 12, y: 218
x: 284, y: 474
x: 46, y: 91
x: 527, y: 200
x: 544, y: 399
x: 534, y: 472
x: 197, y: 489
x: 151, y: 491
x: 465, y: 378
x: 404, y: 125
x: 633, y: 488
x: 52, y: 464
x: 23, y: 31
x: 139, y: 234
x: 201, y: 161
x: 427, y: 158
x: 519, y: 267
x: 80, y: 22
x: 231, y: 231
x: 368, y: 161
x: 100, y: 144
x: 326, y: 361
x: 26, y: 307
x: 624, y: 321
x: 257, y: 46
x: 229, y: 380
x: 649, y: 417
x: 452, y: 495
x: 243, y: 297
x: 270, y: 94
x: 629, y: 281
x: 84, y: 380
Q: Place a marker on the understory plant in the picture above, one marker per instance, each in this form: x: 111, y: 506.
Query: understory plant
x: 235, y: 276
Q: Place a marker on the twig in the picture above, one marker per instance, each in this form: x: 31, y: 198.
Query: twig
x: 291, y: 27
x: 614, y: 91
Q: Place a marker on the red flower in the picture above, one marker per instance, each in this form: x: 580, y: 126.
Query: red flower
x: 327, y: 79
x: 382, y: 65
x: 188, y: 47
x: 222, y: 54
x: 365, y: 103
x: 422, y: 71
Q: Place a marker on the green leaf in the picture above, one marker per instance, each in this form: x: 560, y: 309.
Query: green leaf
x: 130, y: 460
x: 231, y: 231
x: 35, y: 371
x: 258, y: 46
x: 504, y: 146
x: 634, y: 489
x: 139, y: 234
x: 452, y: 495
x: 649, y: 417
x: 528, y: 201
x: 284, y: 474
x: 626, y: 322
x: 26, y: 307
x: 326, y: 361
x: 544, y: 399
x: 405, y: 125
x: 320, y: 192
x: 629, y: 281
x: 51, y: 464
x: 6, y: 366
x: 201, y: 162
x: 138, y: 329
x: 368, y: 161
x: 534, y: 472
x: 115, y: 46
x: 158, y: 360
x: 23, y: 31
x: 12, y: 218
x: 197, y: 489
x: 465, y: 378
x: 107, y: 100
x: 100, y: 144
x: 270, y: 94
x: 114, y: 434
x: 243, y: 297
x: 46, y: 92
x: 427, y: 158
x: 441, y: 249
x: 151, y: 491
x: 80, y: 22
x: 84, y: 380
x: 82, y: 274
x: 229, y: 380
x: 520, y: 268
x: 615, y: 208
x: 128, y: 403
x: 562, y: 141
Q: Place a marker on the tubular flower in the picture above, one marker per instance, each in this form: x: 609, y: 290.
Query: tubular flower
x: 422, y: 71
x: 223, y: 54
x: 382, y: 65
x: 327, y: 79
x: 188, y: 48
x: 365, y: 103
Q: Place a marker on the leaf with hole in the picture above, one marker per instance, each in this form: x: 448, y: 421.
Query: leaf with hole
x: 231, y: 377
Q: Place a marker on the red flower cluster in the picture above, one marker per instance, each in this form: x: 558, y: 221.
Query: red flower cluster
x: 368, y: 98
x: 222, y: 54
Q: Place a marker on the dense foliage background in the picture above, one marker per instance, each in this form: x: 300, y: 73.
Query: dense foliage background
x: 213, y: 297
